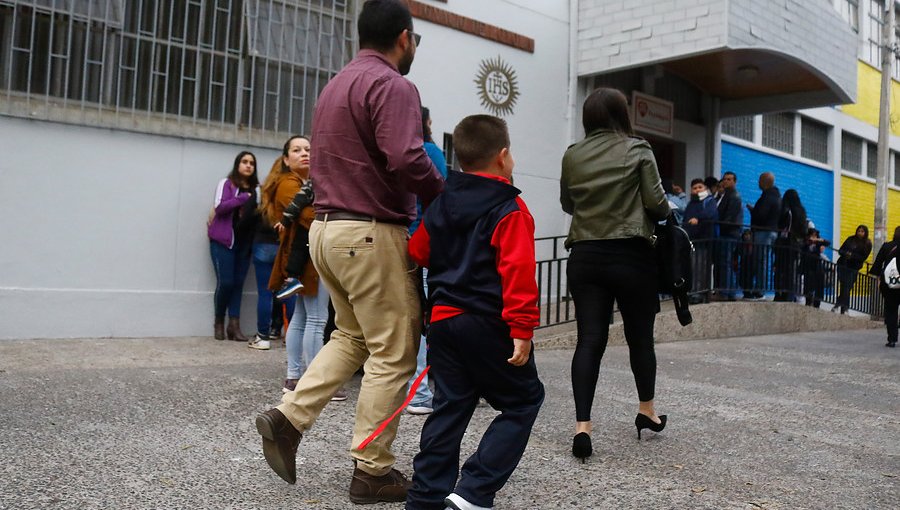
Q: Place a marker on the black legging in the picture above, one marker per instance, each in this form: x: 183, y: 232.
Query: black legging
x: 599, y: 273
x: 891, y: 302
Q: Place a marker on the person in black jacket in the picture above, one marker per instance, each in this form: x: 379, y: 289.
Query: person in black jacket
x: 813, y: 270
x: 764, y: 217
x: 854, y: 252
x: 731, y: 215
x: 792, y: 229
x: 890, y: 296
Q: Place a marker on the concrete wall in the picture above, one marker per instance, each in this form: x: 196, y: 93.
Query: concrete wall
x: 445, y: 69
x: 796, y: 27
x: 104, y: 232
x: 615, y: 34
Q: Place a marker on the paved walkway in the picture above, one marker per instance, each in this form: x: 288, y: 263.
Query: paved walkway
x: 775, y: 422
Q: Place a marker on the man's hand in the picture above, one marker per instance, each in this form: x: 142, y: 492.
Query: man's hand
x: 693, y: 221
x: 521, y: 351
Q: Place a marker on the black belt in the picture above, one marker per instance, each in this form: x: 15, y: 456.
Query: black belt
x: 349, y: 216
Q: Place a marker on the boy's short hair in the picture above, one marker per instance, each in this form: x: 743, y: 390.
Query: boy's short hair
x: 477, y: 139
x: 697, y: 181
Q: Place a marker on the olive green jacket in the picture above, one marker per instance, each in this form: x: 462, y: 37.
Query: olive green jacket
x: 611, y: 187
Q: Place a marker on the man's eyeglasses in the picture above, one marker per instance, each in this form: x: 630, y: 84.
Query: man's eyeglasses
x: 416, y: 37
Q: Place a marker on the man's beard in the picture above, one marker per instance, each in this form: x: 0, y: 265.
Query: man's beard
x: 406, y: 62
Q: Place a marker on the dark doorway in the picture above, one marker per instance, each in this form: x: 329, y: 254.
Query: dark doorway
x: 670, y: 158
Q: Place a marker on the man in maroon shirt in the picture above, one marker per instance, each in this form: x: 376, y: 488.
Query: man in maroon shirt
x: 369, y: 164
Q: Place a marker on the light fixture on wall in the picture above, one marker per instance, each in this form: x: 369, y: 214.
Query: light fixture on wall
x: 748, y: 72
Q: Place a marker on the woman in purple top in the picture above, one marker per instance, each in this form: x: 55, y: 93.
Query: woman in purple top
x: 230, y: 230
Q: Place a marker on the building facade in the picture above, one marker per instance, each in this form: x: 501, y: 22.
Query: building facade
x: 118, y: 119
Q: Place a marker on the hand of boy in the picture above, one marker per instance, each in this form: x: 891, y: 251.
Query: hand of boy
x: 521, y: 350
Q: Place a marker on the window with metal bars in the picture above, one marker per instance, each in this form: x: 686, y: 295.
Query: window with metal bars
x: 895, y: 176
x: 851, y: 153
x: 739, y: 127
x: 875, y: 21
x: 247, y: 66
x: 778, y: 131
x: 813, y: 140
x: 871, y: 160
x: 849, y: 10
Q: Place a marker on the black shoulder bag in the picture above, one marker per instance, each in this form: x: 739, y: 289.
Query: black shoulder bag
x: 673, y: 255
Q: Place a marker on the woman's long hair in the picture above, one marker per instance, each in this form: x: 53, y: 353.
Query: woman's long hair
x: 426, y: 131
x: 270, y: 187
x: 606, y: 108
x: 791, y: 202
x: 235, y: 176
x: 865, y: 238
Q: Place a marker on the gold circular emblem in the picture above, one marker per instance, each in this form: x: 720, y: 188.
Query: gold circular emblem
x: 498, y: 87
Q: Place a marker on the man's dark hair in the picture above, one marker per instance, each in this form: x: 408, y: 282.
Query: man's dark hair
x: 380, y: 22
x: 711, y: 182
x: 606, y: 108
x: 696, y: 181
x: 477, y: 139
x: 731, y: 174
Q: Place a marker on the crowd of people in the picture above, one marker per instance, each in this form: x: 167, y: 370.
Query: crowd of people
x: 780, y: 251
x: 387, y: 264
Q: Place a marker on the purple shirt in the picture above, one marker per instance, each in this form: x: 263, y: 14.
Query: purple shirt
x: 368, y: 154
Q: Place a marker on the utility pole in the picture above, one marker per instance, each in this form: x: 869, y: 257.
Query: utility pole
x: 884, y: 126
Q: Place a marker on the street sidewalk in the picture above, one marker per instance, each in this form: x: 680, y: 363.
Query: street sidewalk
x: 806, y: 420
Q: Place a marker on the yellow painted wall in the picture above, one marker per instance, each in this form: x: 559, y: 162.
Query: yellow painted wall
x: 858, y: 208
x: 868, y: 95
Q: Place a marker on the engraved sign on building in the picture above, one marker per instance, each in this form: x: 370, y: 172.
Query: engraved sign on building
x: 652, y: 114
x: 498, y: 87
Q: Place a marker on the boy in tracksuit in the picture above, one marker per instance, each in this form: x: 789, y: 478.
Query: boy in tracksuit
x: 477, y: 240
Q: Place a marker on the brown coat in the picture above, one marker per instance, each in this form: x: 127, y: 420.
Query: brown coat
x: 285, y: 192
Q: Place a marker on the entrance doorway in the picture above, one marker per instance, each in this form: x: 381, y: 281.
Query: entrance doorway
x: 670, y: 158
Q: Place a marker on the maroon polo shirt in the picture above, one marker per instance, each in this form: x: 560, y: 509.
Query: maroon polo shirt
x: 367, y: 154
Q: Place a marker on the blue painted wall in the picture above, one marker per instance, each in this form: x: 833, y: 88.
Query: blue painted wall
x: 814, y: 185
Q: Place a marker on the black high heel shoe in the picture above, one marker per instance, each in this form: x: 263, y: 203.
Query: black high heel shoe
x: 581, y: 446
x: 642, y: 421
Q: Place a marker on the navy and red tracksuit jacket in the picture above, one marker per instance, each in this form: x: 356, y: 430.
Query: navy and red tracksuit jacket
x: 477, y: 241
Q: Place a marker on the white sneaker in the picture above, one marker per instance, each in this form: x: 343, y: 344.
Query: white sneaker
x: 419, y: 410
x: 259, y: 343
x: 456, y: 502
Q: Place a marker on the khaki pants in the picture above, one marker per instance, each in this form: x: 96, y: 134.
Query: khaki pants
x: 367, y: 270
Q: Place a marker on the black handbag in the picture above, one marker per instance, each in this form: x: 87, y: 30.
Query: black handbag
x: 673, y: 255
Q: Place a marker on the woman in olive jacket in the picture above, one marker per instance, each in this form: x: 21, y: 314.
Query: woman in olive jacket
x: 611, y: 186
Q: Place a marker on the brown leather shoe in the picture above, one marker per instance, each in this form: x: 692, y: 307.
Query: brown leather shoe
x: 365, y: 488
x: 219, y: 329
x: 233, y: 331
x: 280, y: 440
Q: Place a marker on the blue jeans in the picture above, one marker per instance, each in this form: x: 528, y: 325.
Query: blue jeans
x: 762, y: 253
x: 423, y: 392
x: 306, y: 331
x: 231, y: 266
x: 263, y: 261
x: 726, y: 280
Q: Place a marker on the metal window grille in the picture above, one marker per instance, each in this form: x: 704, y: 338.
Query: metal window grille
x: 849, y: 10
x: 871, y: 160
x: 895, y: 70
x: 778, y: 131
x: 230, y: 70
x: 814, y: 140
x: 876, y: 21
x: 851, y: 153
x: 739, y: 127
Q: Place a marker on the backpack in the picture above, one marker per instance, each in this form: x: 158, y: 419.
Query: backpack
x: 891, y: 274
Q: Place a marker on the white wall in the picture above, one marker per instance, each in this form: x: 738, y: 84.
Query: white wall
x: 445, y: 69
x: 104, y: 232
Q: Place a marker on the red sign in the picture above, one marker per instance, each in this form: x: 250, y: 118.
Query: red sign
x: 652, y: 115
